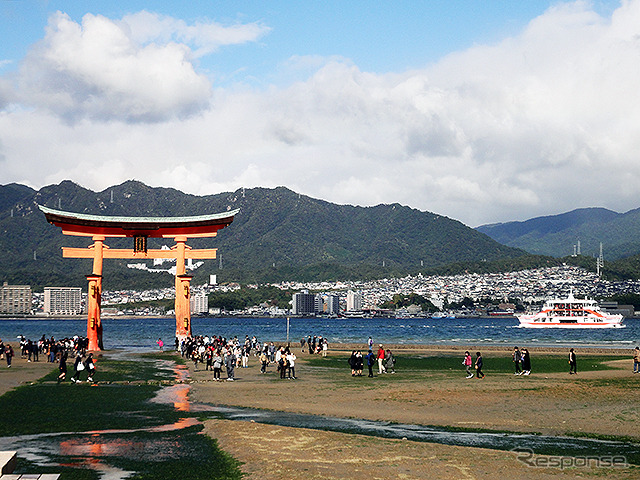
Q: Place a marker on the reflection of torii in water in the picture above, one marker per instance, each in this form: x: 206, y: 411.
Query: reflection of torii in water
x: 139, y: 228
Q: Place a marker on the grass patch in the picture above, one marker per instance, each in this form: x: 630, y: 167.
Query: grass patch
x: 48, y: 407
x: 493, y: 364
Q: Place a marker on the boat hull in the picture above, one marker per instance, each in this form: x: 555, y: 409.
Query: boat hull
x: 570, y: 325
x: 527, y: 321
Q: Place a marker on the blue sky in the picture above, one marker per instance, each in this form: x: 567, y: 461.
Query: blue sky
x: 476, y: 110
x: 378, y: 36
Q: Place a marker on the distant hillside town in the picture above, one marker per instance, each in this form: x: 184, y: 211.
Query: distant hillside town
x: 470, y: 294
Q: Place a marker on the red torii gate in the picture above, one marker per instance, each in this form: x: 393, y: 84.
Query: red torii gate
x: 139, y: 228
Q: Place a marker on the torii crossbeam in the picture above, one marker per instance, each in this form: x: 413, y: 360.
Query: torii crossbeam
x: 139, y: 228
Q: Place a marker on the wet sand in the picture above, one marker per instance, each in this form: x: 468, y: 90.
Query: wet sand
x: 590, y: 403
x: 555, y: 404
x: 23, y: 372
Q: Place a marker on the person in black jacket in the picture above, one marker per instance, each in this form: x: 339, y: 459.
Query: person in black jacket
x: 479, y: 364
x: 526, y: 362
x: 352, y: 363
x: 90, y: 367
x: 78, y: 366
x: 573, y: 362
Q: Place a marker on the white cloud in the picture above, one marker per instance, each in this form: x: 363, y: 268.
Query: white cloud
x: 139, y: 69
x: 203, y: 37
x: 540, y: 123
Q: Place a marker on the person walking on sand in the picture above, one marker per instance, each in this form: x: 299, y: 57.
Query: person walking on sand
x: 573, y: 362
x: 78, y: 366
x: 217, y: 365
x: 90, y: 367
x: 230, y: 364
x: 479, y: 364
x: 636, y: 360
x: 389, y: 362
x: 468, y: 362
x: 63, y: 366
x: 264, y: 361
x: 8, y: 353
x: 160, y: 344
x: 516, y: 357
x: 380, y: 357
x: 526, y: 362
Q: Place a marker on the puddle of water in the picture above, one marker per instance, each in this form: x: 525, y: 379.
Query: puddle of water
x: 495, y: 441
x: 178, y: 395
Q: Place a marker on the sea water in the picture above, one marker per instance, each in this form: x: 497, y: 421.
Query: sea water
x: 143, y: 332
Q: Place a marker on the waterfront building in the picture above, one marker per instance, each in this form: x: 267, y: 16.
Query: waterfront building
x: 329, y: 304
x: 304, y: 303
x: 63, y: 300
x: 354, y: 301
x: 15, y: 299
x: 199, y: 303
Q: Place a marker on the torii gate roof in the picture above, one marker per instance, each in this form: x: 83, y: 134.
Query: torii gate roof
x: 83, y: 224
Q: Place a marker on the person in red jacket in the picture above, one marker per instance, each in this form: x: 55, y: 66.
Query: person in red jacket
x: 380, y: 357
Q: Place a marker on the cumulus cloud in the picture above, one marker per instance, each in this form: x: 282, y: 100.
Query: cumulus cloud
x: 540, y: 123
x: 137, y: 69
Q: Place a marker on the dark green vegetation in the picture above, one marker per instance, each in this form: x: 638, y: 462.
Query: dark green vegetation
x: 556, y: 234
x: 492, y: 364
x: 248, y: 297
x: 399, y: 301
x: 47, y: 407
x: 277, y: 235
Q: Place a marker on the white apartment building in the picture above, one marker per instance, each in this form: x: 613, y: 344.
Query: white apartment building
x: 354, y: 301
x: 15, y: 299
x: 63, y: 300
x: 199, y: 303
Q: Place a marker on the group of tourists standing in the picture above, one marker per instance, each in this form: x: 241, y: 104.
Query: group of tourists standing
x: 317, y: 344
x: 521, y: 361
x: 383, y: 357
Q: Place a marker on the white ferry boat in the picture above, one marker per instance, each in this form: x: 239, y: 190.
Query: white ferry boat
x: 571, y: 312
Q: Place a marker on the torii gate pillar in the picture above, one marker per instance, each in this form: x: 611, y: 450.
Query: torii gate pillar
x: 182, y: 306
x: 94, y: 324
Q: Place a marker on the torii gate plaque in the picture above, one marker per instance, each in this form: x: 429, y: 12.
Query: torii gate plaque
x: 139, y: 228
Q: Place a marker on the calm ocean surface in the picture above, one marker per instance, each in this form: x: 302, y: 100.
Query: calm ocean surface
x: 141, y: 333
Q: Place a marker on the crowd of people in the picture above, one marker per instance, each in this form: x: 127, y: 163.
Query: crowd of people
x: 217, y: 352
x: 49, y: 348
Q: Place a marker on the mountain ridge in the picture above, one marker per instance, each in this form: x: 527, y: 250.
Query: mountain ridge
x: 556, y: 235
x: 275, y: 229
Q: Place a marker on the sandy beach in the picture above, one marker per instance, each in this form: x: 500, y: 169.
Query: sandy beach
x: 591, y: 403
x: 554, y: 404
x: 22, y: 372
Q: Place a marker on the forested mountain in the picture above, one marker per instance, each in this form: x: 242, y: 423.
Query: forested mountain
x: 278, y: 234
x: 556, y: 235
